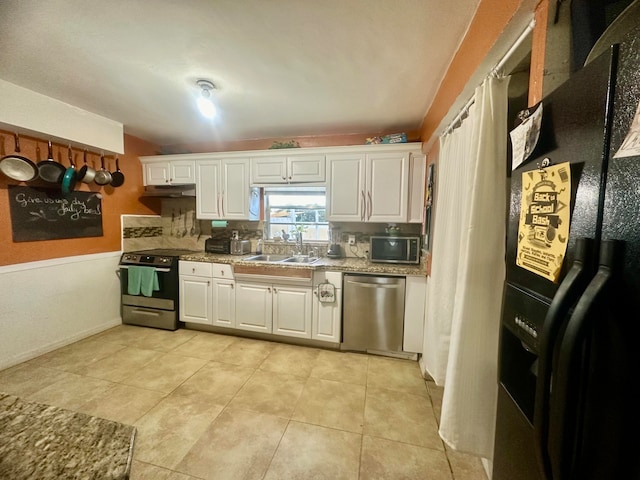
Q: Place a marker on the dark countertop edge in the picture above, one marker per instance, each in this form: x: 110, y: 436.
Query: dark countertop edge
x: 346, y: 265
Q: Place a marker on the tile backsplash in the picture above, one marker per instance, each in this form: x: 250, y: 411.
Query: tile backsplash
x: 177, y: 227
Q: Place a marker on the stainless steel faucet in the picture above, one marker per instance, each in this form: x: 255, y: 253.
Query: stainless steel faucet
x: 299, y: 240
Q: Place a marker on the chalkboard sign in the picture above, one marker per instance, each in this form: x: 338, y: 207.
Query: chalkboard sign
x: 46, y: 214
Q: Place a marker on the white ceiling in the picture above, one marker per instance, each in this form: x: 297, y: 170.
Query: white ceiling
x: 284, y: 68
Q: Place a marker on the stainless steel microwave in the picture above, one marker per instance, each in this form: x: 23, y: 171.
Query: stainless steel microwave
x: 386, y: 249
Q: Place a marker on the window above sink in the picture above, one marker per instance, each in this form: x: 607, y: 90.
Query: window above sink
x: 289, y: 209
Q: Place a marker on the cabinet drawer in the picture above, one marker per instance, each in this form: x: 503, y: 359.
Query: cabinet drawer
x: 222, y: 270
x: 198, y: 269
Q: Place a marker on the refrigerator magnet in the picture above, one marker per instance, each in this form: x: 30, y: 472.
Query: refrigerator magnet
x: 327, y: 292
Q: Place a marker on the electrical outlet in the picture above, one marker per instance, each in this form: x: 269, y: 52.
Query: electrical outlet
x: 352, y: 239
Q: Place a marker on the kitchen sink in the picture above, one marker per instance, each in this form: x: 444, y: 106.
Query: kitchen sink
x: 281, y: 259
x: 266, y: 258
x: 300, y: 259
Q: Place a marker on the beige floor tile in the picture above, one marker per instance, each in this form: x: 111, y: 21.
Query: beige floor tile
x: 77, y: 356
x: 219, y: 382
x: 466, y: 467
x: 162, y: 340
x: 396, y: 374
x: 436, y: 393
x: 146, y: 471
x: 385, y: 459
x: 239, y: 444
x: 169, y: 430
x: 272, y: 393
x: 246, y: 352
x: 291, y: 359
x: 341, y: 367
x: 165, y: 373
x: 122, y: 334
x: 204, y: 345
x: 123, y: 404
x: 117, y: 367
x: 331, y: 404
x: 402, y: 417
x: 27, y: 378
x: 309, y: 451
x: 72, y: 392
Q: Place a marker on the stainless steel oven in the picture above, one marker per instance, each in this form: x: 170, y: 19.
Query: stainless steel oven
x: 160, y: 308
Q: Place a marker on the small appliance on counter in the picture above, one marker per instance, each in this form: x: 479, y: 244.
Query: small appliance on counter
x: 335, y: 250
x: 217, y: 245
x: 240, y: 247
x: 390, y: 249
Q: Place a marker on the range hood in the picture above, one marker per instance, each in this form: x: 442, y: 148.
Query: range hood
x: 169, y: 191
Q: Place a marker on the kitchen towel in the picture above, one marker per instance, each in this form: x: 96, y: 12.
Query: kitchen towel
x: 142, y: 280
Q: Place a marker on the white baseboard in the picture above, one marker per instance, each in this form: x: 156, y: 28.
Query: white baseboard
x: 36, y: 352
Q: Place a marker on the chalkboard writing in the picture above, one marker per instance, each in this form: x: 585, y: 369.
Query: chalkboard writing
x: 45, y: 214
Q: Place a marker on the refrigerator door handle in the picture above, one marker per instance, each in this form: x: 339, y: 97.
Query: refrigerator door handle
x: 566, y: 394
x: 567, y: 294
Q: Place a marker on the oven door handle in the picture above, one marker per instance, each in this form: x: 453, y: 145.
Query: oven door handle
x: 164, y: 270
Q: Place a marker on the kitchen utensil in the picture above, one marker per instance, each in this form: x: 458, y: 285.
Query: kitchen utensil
x: 70, y: 177
x: 49, y: 170
x: 18, y: 167
x: 117, y: 177
x: 103, y: 176
x: 184, y: 231
x: 193, y: 224
x: 178, y: 232
x: 86, y: 174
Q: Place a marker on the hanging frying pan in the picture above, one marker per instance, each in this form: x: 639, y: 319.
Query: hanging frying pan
x: 86, y: 173
x: 18, y: 167
x: 117, y: 177
x: 103, y: 177
x: 70, y: 176
x: 50, y: 170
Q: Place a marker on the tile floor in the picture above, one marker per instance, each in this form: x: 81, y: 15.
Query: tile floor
x: 209, y: 406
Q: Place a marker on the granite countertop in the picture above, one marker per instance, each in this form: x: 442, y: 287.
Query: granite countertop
x: 346, y: 264
x: 45, y: 442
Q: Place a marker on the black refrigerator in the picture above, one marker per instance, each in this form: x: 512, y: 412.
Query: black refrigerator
x: 569, y: 359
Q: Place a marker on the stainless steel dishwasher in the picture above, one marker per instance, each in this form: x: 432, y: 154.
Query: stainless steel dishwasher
x: 373, y: 313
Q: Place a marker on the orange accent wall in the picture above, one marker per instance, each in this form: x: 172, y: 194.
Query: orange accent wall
x: 115, y: 201
x: 492, y: 16
x: 538, y: 47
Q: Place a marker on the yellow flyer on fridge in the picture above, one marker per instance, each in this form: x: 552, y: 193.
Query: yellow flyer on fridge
x: 545, y: 216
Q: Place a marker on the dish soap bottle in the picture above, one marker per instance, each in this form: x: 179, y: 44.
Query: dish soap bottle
x: 259, y: 247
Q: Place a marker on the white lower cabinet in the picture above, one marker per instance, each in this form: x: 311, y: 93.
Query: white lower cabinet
x: 326, y: 324
x: 272, y: 308
x: 414, y: 308
x: 195, y: 299
x: 207, y: 294
x: 223, y: 303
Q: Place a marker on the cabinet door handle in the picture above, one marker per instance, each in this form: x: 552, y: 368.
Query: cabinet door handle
x: 370, y: 205
x: 275, y: 290
x: 269, y: 289
x: 208, y: 283
x: 233, y: 286
x: 193, y: 270
x: 222, y: 203
x: 222, y: 273
x: 219, y: 203
x: 364, y: 206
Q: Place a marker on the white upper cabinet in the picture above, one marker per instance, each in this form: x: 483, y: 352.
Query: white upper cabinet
x: 368, y: 187
x: 168, y: 172
x: 283, y: 169
x: 223, y: 191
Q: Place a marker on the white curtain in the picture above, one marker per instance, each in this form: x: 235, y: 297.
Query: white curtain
x: 453, y: 179
x: 466, y: 308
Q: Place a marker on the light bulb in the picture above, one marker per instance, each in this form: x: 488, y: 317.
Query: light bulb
x: 206, y: 107
x: 205, y: 104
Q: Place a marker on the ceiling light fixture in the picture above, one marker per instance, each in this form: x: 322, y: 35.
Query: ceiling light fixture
x: 205, y: 104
